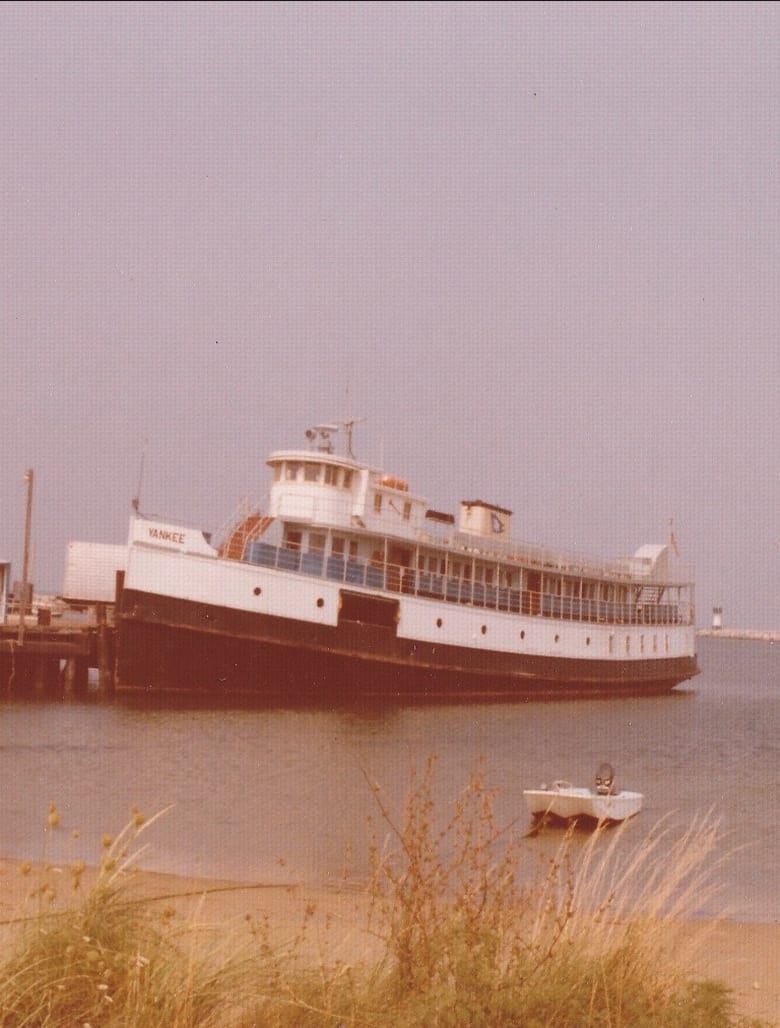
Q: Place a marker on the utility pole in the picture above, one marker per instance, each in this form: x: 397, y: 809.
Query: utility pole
x: 26, y: 562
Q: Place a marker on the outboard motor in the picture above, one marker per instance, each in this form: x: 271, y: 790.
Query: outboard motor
x: 605, y: 780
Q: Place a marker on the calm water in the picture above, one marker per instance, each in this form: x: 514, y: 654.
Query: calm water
x: 277, y: 795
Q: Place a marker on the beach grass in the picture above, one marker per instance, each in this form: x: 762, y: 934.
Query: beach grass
x: 448, y: 932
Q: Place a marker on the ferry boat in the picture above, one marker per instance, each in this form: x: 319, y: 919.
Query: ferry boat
x: 348, y: 585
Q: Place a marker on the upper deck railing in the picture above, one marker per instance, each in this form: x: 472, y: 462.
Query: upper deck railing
x: 617, y: 569
x: 394, y: 578
x: 337, y: 512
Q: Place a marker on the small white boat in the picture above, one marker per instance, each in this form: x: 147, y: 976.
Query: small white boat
x: 563, y: 801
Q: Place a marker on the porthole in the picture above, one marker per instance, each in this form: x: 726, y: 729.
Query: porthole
x: 484, y: 629
x: 439, y: 622
x: 320, y: 601
x: 557, y: 638
x: 257, y: 590
x: 587, y: 641
x: 522, y: 634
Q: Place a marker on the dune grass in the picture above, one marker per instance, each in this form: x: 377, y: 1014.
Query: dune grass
x: 453, y: 935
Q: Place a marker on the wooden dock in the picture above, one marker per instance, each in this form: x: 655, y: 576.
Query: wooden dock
x: 55, y: 658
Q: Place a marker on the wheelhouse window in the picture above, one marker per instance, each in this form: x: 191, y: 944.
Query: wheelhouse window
x: 347, y: 478
x: 331, y: 475
x: 377, y: 503
x: 292, y: 540
x: 311, y: 472
x: 316, y: 542
x: 291, y: 471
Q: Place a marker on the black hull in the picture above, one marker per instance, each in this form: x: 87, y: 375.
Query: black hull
x: 172, y: 645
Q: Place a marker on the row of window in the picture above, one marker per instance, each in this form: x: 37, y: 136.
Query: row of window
x: 474, y: 571
x: 645, y: 646
x: 309, y: 471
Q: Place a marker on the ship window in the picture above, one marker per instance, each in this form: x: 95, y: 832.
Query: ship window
x: 407, y: 509
x: 277, y: 472
x: 353, y: 548
x: 311, y: 472
x: 293, y: 541
x: 331, y: 475
x: 291, y: 471
x: 337, y: 546
x: 347, y: 479
x: 488, y: 576
x: 628, y: 644
x: 377, y: 503
x: 316, y: 542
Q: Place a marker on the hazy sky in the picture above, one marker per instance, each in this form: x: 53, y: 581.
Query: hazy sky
x: 535, y: 245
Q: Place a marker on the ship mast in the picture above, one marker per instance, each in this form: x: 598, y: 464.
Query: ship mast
x: 348, y: 425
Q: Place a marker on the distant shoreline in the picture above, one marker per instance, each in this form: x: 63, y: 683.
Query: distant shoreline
x: 750, y: 634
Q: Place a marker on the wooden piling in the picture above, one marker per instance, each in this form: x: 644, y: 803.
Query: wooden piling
x: 105, y: 663
x: 76, y: 676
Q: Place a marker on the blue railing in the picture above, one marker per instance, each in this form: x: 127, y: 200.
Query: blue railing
x: 394, y: 578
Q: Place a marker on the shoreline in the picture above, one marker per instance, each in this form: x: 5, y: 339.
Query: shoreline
x: 745, y: 956
x: 744, y: 634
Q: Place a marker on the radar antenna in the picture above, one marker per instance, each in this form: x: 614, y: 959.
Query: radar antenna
x: 322, y: 433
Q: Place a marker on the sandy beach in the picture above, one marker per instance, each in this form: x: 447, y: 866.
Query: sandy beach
x: 746, y: 957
